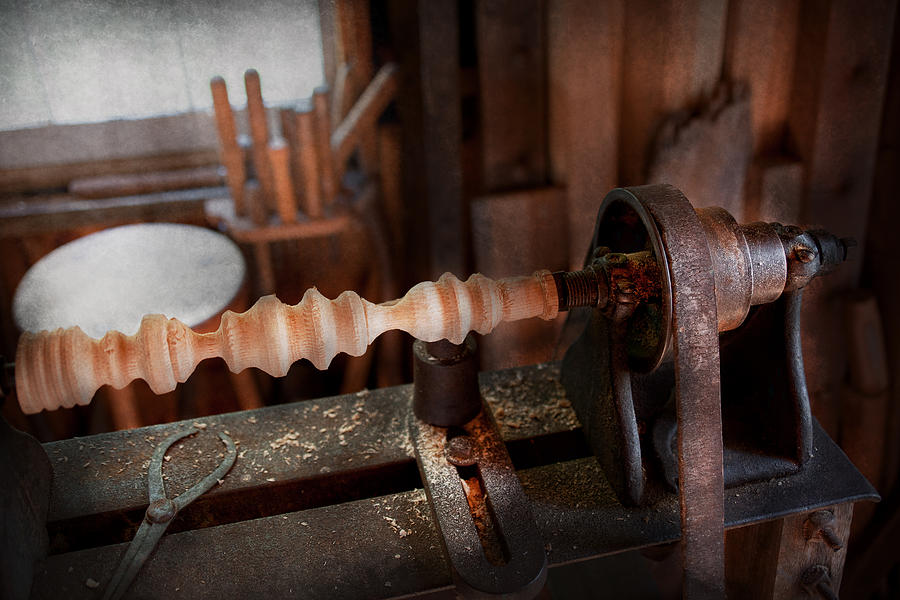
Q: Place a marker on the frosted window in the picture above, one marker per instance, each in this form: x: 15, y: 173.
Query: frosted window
x: 99, y: 60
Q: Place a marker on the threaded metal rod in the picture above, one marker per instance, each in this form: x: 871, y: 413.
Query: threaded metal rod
x: 587, y: 287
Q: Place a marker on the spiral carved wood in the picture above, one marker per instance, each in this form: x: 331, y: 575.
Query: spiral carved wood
x: 66, y: 367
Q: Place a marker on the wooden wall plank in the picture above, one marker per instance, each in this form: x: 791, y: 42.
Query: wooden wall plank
x: 834, y: 122
x: 584, y: 46
x: 517, y: 233
x: 673, y: 59
x: 447, y: 218
x: 774, y: 189
x: 882, y: 261
x: 511, y: 76
x: 759, y: 51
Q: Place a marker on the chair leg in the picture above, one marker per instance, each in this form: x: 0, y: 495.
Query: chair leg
x: 123, y: 408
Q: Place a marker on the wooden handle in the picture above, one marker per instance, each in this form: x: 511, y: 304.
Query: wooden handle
x: 259, y: 132
x: 280, y: 161
x: 307, y: 155
x: 230, y: 151
x: 66, y: 367
x: 323, y: 142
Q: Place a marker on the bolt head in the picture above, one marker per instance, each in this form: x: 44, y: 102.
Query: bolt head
x: 461, y: 451
x: 805, y: 255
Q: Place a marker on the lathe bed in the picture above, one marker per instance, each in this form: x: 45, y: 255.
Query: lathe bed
x: 325, y: 500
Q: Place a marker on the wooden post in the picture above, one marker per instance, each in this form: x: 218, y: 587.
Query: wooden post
x: 351, y: 133
x: 865, y: 399
x: 356, y: 41
x: 327, y: 25
x: 447, y: 218
x: 768, y: 561
x: 262, y: 253
x: 391, y: 164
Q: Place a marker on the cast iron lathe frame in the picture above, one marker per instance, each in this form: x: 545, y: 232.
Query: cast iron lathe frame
x: 325, y: 501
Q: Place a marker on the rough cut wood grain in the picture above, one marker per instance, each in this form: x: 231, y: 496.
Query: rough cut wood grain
x: 865, y: 399
x: 707, y: 156
x: 66, y: 367
x: 782, y: 553
x: 774, y: 190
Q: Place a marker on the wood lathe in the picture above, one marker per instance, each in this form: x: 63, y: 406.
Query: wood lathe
x: 680, y: 412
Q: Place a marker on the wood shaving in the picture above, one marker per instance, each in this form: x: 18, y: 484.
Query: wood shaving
x: 288, y: 439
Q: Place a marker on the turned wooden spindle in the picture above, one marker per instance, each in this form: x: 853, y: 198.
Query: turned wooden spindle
x: 65, y: 367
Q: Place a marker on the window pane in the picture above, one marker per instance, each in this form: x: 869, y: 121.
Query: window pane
x: 98, y: 60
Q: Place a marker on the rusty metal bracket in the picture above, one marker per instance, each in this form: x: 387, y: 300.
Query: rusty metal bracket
x: 485, y: 520
x: 701, y: 482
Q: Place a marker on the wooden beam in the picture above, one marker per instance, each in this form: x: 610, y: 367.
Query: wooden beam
x: 329, y: 40
x: 364, y: 114
x: 355, y: 30
x: 64, y: 212
x: 15, y: 181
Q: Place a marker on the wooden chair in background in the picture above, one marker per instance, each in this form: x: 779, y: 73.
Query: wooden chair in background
x: 108, y: 280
